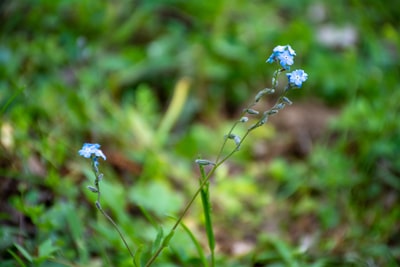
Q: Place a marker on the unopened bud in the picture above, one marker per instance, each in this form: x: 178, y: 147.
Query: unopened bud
x: 272, y: 112
x: 244, y: 119
x: 286, y: 100
x: 98, y: 205
x: 280, y: 106
x: 93, y: 189
x: 252, y: 111
x: 263, y: 92
x: 204, y: 162
x: 235, y: 138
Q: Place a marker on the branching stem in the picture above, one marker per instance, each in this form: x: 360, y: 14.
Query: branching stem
x: 219, y: 161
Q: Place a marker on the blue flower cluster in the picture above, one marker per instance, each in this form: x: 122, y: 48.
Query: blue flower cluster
x: 91, y: 149
x: 284, y: 55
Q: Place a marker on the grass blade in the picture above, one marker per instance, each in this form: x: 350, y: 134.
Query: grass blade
x: 205, y: 200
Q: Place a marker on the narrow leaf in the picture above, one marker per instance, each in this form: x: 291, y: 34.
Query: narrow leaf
x: 205, y: 200
x: 168, y: 238
x: 17, y: 258
x: 158, y: 240
x: 196, y: 244
x: 24, y: 252
x: 138, y: 256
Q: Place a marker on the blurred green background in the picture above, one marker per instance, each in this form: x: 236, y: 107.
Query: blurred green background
x: 158, y: 83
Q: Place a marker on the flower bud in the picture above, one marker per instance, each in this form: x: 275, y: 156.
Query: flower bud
x: 280, y: 106
x: 204, y: 162
x: 235, y: 138
x: 286, y: 100
x: 93, y: 189
x: 272, y: 112
x: 244, y: 119
x: 252, y: 111
x: 263, y: 92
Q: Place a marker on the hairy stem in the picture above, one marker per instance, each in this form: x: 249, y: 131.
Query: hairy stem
x: 98, y: 206
x: 219, y: 161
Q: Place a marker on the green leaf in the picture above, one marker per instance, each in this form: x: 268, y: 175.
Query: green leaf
x: 168, y: 238
x: 284, y: 251
x: 158, y: 240
x: 24, y: 252
x: 138, y: 256
x: 17, y: 258
x: 205, y: 200
x: 196, y: 244
x: 46, y: 249
x: 174, y: 110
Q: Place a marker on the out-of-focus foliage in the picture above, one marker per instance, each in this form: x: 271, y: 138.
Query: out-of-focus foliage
x: 157, y: 83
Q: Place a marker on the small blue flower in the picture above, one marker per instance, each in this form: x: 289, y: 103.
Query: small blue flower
x: 284, y: 54
x: 285, y: 59
x: 297, y: 77
x: 91, y: 149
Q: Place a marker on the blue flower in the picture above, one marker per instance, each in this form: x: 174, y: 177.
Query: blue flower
x: 285, y: 59
x: 297, y: 77
x: 91, y: 149
x: 284, y: 54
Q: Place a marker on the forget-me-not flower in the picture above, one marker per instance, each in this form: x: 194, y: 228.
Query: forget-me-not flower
x: 284, y: 54
x: 91, y: 149
x: 285, y: 59
x: 297, y: 77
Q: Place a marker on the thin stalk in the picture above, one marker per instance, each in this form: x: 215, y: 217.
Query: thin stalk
x: 115, y: 227
x: 189, y: 204
x: 185, y: 210
x: 98, y: 206
x: 218, y: 163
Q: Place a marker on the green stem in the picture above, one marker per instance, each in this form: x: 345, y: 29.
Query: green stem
x: 116, y: 228
x: 98, y: 206
x: 187, y: 207
x: 218, y: 163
